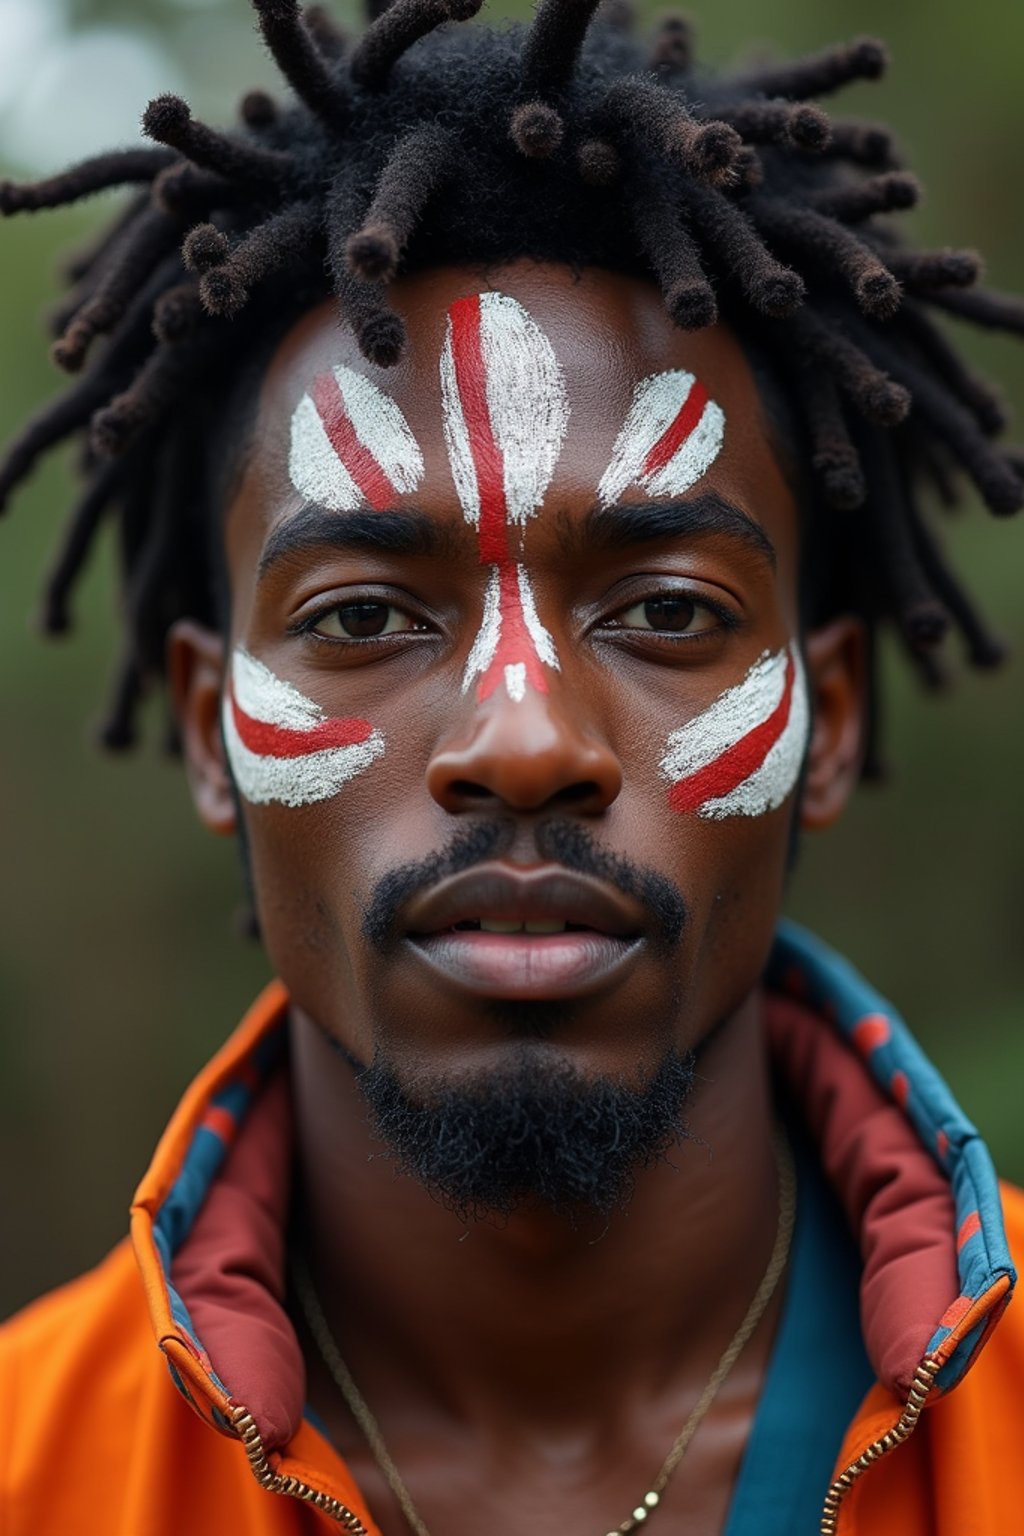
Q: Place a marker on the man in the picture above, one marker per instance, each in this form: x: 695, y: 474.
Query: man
x: 517, y: 624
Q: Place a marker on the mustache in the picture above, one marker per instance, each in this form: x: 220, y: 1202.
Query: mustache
x: 558, y: 840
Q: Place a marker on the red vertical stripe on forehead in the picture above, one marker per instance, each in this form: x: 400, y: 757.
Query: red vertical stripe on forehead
x: 373, y: 483
x: 471, y: 377
x: 278, y: 741
x: 738, y: 762
x: 676, y: 433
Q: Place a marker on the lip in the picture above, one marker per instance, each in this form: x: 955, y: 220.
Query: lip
x: 607, y: 934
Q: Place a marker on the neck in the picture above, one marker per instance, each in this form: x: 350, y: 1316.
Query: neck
x: 535, y: 1314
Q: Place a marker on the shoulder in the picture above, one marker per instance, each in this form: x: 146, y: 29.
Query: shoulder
x: 90, y: 1420
x: 73, y: 1339
x: 71, y: 1357
x: 995, y: 1381
x: 1013, y: 1212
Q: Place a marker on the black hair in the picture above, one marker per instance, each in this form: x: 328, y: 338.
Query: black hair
x: 572, y: 139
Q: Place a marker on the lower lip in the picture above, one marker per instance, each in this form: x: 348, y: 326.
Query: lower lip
x: 524, y: 966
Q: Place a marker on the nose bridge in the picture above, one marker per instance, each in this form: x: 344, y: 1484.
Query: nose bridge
x: 525, y: 746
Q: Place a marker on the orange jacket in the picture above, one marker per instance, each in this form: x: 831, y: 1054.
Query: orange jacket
x: 93, y: 1439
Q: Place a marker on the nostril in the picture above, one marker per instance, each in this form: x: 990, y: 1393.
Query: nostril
x: 573, y: 793
x: 465, y: 789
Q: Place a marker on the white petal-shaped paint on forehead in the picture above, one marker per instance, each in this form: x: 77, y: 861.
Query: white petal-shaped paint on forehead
x: 672, y: 435
x: 506, y: 408
x: 281, y: 745
x: 456, y: 435
x: 351, y: 446
x: 743, y: 754
x: 527, y: 398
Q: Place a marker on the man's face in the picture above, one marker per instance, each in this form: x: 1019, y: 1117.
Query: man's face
x: 516, y: 713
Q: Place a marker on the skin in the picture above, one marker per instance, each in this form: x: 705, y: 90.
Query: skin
x: 529, y: 1373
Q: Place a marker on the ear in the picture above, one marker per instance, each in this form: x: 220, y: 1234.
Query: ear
x: 195, y: 672
x: 836, y: 658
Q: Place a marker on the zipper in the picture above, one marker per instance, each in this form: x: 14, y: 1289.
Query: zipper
x: 259, y: 1462
x: 924, y: 1380
x: 259, y: 1466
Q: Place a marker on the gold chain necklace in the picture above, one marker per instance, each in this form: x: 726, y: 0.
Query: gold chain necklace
x: 358, y: 1407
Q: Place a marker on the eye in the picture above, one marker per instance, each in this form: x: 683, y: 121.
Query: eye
x: 671, y: 613
x: 364, y: 621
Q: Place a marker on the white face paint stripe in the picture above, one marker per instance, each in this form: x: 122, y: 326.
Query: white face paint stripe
x: 742, y: 756
x: 692, y: 459
x: 671, y: 436
x: 543, y: 644
x: 515, y: 682
x: 506, y: 413
x: 315, y: 469
x: 492, y: 648
x: 772, y: 783
x: 456, y: 434
x: 351, y: 444
x: 485, y: 646
x: 282, y: 747
x: 526, y: 399
x: 270, y: 699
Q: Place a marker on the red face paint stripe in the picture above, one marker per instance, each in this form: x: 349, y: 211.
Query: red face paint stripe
x: 739, y: 761
x: 675, y: 435
x: 374, y: 484
x: 515, y: 645
x: 277, y: 741
x: 488, y: 461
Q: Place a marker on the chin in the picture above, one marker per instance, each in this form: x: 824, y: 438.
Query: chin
x: 533, y: 1128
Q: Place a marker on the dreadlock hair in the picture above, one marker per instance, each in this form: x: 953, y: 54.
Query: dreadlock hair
x: 572, y: 139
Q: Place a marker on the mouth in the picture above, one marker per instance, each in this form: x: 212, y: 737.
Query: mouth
x: 544, y: 934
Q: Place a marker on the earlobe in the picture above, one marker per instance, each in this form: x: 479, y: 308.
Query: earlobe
x: 835, y: 656
x: 195, y: 672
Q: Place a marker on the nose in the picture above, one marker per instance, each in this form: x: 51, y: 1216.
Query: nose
x: 526, y: 755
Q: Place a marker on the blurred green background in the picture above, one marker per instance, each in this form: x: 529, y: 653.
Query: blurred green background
x: 120, y: 970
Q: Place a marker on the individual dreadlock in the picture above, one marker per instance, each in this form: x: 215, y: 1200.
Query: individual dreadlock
x: 424, y: 141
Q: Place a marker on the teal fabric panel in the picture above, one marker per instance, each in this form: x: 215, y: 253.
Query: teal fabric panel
x: 800, y: 1421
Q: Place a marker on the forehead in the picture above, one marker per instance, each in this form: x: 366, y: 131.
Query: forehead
x: 608, y: 333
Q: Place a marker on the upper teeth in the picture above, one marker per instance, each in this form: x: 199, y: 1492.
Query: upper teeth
x: 495, y: 925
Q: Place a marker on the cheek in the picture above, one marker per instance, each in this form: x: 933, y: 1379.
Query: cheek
x: 743, y: 755
x: 283, y: 749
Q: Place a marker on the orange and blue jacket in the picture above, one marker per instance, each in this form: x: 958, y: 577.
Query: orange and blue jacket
x: 95, y: 1438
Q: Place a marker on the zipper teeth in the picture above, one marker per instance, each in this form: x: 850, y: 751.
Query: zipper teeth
x: 273, y: 1482
x: 924, y: 1379
x: 259, y: 1463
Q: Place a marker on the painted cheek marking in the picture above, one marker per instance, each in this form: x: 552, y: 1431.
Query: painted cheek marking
x: 742, y: 756
x: 672, y: 435
x: 351, y: 445
x: 281, y: 746
x: 505, y: 418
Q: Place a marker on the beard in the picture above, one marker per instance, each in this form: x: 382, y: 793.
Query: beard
x: 536, y: 1132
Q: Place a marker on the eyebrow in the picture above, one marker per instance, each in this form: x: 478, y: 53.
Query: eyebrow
x: 363, y: 532
x: 629, y: 523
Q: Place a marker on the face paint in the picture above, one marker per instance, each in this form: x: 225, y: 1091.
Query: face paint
x: 672, y: 435
x: 281, y: 745
x: 742, y: 756
x: 505, y: 418
x: 351, y: 446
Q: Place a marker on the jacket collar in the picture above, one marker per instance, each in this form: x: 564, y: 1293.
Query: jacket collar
x: 209, y: 1218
